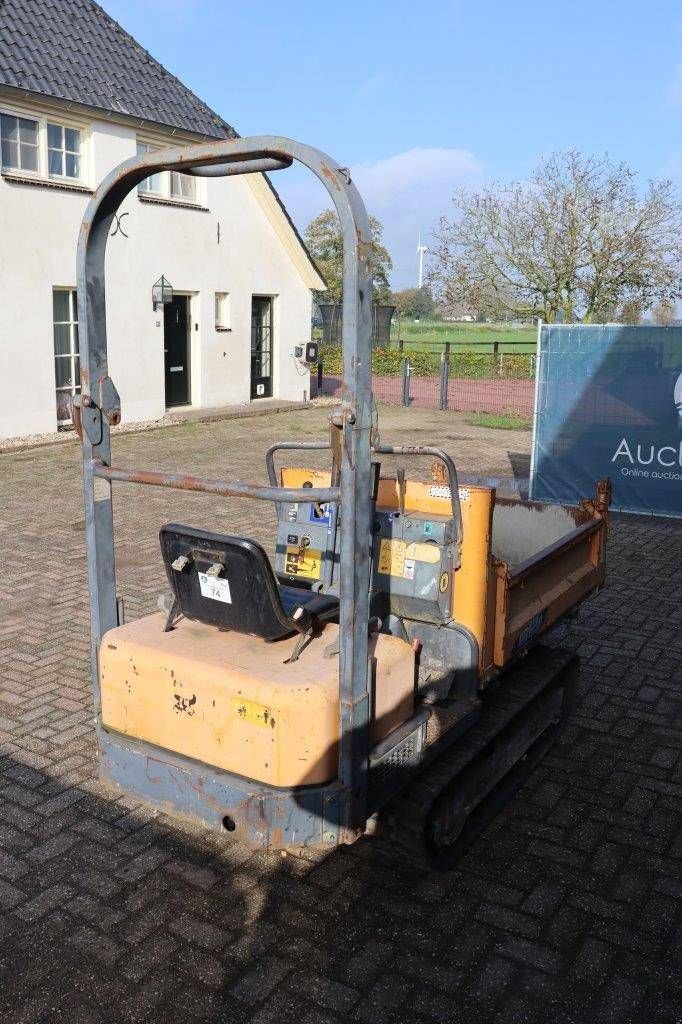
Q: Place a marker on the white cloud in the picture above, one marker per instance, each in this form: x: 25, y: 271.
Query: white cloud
x: 373, y: 82
x: 408, y: 192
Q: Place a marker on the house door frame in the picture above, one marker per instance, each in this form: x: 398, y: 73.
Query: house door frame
x: 262, y: 348
x: 172, y: 360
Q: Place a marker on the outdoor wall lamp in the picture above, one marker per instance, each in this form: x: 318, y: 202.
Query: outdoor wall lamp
x: 162, y: 293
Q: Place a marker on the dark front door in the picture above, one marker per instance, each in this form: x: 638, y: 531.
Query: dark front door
x: 176, y: 350
x: 261, y: 346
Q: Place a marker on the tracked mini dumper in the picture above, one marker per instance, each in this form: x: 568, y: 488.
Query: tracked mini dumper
x: 384, y: 675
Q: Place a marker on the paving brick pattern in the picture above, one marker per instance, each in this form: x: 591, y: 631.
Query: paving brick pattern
x: 567, y: 909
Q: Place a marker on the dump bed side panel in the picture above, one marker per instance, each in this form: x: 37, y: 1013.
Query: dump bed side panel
x: 532, y: 596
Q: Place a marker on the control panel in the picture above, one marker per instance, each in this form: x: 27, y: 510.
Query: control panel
x: 413, y: 552
x: 413, y: 562
x: 305, y: 552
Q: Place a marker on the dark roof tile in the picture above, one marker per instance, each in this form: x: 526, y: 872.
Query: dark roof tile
x: 73, y: 50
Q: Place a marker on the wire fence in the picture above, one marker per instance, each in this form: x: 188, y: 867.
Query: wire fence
x: 496, y: 383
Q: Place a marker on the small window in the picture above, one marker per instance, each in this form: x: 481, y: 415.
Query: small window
x: 182, y: 186
x: 153, y: 184
x: 63, y: 151
x: 66, y: 355
x: 222, y: 311
x: 19, y: 143
x: 173, y: 184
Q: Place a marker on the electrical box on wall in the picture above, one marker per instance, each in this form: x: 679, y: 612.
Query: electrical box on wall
x: 307, y: 353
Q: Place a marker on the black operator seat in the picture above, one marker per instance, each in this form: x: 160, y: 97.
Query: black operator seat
x: 228, y: 582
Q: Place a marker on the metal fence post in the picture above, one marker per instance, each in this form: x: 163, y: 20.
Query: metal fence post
x: 497, y: 358
x: 406, y: 381
x: 444, y: 375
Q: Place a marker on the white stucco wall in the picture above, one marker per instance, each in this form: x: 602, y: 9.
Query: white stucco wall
x: 38, y: 235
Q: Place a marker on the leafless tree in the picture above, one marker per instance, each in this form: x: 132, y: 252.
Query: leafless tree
x: 576, y: 237
x: 664, y: 314
x: 630, y: 312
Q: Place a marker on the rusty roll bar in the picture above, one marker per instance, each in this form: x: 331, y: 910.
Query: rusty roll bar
x: 442, y: 456
x: 100, y: 408
x: 242, y: 167
x: 292, y: 446
x: 227, y: 489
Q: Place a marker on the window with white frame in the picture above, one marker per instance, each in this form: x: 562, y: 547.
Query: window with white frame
x: 41, y: 148
x: 154, y: 184
x: 183, y: 186
x: 165, y: 184
x: 63, y: 151
x: 19, y: 143
x: 222, y: 311
x: 66, y: 355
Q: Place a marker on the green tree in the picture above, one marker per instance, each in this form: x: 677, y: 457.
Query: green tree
x: 578, y: 237
x: 325, y: 244
x: 414, y: 302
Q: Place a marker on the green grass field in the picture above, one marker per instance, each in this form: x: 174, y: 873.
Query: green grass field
x: 430, y: 336
x: 500, y: 421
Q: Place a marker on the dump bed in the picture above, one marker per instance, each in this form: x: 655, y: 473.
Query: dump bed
x: 545, y: 559
x: 524, y: 565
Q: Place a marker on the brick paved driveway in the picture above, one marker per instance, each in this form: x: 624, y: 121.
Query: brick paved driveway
x: 566, y: 910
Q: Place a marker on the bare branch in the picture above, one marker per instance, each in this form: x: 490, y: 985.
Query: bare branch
x: 577, y: 238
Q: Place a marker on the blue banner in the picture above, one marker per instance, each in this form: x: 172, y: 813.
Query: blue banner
x: 609, y: 403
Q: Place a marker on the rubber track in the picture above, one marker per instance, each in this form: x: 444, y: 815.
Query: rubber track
x: 407, y: 814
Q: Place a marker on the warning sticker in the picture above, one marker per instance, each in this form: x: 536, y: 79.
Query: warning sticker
x: 215, y: 588
x: 305, y: 562
x: 441, y: 491
x: 250, y: 711
x: 428, y: 552
x: 392, y: 557
x: 408, y: 569
x: 444, y: 582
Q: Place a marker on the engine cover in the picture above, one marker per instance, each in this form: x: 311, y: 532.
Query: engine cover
x: 232, y: 701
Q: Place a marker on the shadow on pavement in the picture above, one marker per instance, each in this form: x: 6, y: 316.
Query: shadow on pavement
x: 109, y: 914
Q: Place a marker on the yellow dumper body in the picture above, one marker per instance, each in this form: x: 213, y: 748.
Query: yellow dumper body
x: 237, y: 703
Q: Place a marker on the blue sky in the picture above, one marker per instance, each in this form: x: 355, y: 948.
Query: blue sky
x: 419, y: 98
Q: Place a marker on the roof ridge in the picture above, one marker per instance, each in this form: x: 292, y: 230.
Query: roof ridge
x: 152, y: 60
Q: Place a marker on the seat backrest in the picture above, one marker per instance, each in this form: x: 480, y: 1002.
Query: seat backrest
x: 223, y: 581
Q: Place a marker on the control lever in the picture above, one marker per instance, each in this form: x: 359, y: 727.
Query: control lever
x: 400, y: 475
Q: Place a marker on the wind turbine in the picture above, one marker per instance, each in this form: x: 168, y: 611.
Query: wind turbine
x: 421, y: 249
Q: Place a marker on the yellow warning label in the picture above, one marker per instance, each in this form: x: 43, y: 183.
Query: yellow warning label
x: 424, y: 553
x: 306, y: 562
x: 444, y: 582
x: 392, y: 557
x: 249, y: 711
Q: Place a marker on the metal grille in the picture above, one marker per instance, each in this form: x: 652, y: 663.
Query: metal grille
x: 401, y: 756
x: 332, y: 324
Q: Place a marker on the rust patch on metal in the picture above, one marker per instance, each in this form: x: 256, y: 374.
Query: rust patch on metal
x: 330, y: 175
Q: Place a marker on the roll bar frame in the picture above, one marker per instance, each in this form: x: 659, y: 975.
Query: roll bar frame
x: 97, y: 408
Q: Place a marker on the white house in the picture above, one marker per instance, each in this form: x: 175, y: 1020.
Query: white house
x: 77, y: 96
